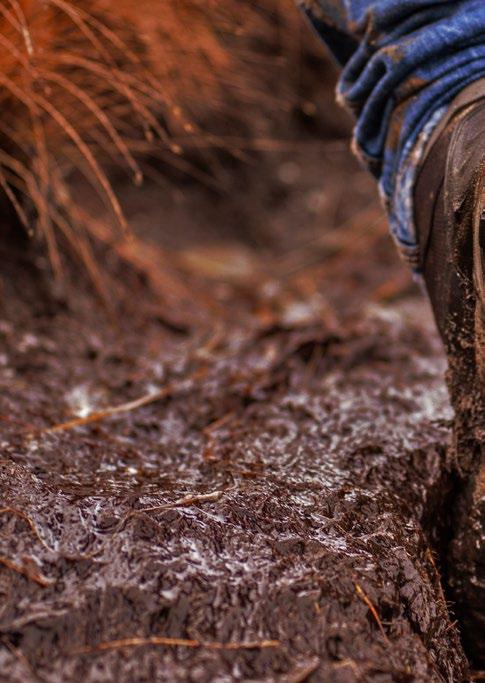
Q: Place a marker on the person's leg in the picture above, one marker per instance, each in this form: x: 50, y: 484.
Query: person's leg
x: 413, y: 74
x: 403, y: 62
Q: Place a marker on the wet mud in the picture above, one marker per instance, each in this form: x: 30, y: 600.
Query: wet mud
x: 244, y: 478
x: 273, y: 515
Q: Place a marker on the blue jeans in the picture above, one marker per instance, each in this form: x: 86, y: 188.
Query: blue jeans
x: 403, y: 61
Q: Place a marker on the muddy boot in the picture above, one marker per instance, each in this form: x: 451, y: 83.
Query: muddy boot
x: 450, y: 219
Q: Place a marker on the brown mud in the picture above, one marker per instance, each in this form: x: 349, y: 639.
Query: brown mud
x: 250, y: 484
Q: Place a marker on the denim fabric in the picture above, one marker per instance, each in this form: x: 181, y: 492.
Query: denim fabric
x: 403, y: 61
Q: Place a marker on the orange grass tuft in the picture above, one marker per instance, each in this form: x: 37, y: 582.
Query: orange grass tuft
x: 84, y: 84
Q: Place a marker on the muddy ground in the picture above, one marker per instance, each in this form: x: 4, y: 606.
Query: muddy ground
x: 239, y: 471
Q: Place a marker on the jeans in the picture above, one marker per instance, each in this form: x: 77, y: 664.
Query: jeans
x: 403, y: 62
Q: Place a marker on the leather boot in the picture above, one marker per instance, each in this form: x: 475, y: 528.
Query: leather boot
x: 450, y: 219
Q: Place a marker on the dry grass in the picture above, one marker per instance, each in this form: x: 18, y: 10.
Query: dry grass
x: 84, y: 85
x: 178, y: 642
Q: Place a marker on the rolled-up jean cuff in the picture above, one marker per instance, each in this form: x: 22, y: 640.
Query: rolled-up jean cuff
x: 400, y: 206
x: 403, y: 64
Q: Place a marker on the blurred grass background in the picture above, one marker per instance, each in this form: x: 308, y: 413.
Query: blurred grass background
x: 250, y: 190
x: 271, y: 201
